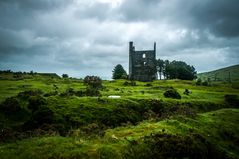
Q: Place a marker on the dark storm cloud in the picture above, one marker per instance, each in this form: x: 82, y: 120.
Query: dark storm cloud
x: 33, y: 5
x: 218, y: 16
x: 81, y: 37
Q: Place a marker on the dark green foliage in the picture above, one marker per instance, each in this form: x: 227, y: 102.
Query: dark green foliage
x: 119, y: 72
x: 92, y: 92
x: 65, y: 76
x: 232, y: 99
x: 159, y: 146
x: 160, y: 65
x: 93, y: 81
x: 50, y: 94
x: 179, y: 70
x: 121, y: 115
x: 199, y: 82
x: 11, y: 105
x: 148, y: 85
x: 39, y: 117
x: 41, y: 114
x: 35, y: 103
x: 172, y: 93
x: 68, y: 92
x: 205, y: 83
x: 176, y: 70
x: 27, y: 94
x: 7, y: 134
x: 5, y: 71
x: 17, y: 75
x: 131, y: 83
x: 187, y: 92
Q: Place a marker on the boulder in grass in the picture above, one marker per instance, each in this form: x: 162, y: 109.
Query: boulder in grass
x: 114, y: 96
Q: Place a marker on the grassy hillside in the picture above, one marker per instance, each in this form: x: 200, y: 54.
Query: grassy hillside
x: 47, y: 117
x: 208, y: 135
x: 228, y: 74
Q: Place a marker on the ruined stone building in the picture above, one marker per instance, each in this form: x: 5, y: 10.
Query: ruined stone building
x: 141, y: 64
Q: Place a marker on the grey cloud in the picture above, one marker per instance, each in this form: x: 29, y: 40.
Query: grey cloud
x: 219, y: 16
x: 32, y: 5
x: 80, y: 38
x: 98, y: 11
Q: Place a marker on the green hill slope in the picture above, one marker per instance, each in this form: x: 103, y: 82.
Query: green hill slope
x: 227, y: 74
x: 208, y: 135
x: 49, y: 117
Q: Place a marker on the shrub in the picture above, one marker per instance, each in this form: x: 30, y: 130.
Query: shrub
x: 93, y: 81
x: 173, y: 146
x: 65, y: 76
x: 172, y: 93
x: 11, y: 105
x: 148, y: 85
x: 35, y: 103
x: 7, y: 134
x: 199, y: 82
x: 43, y: 115
x: 187, y: 92
x: 231, y: 99
x: 68, y: 92
x: 92, y: 92
x: 27, y: 94
x: 205, y: 83
x: 131, y: 83
x: 39, y: 117
x: 50, y: 94
x: 80, y: 93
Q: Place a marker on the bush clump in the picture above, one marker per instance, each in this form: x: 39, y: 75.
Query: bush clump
x: 92, y: 92
x: 35, y: 103
x: 131, y: 83
x: 93, y: 81
x: 199, y: 82
x: 27, y: 94
x: 163, y: 145
x: 11, y: 105
x: 42, y: 116
x: 172, y: 93
x: 232, y: 99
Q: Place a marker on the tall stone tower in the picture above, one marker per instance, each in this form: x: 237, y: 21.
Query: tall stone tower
x: 142, y: 64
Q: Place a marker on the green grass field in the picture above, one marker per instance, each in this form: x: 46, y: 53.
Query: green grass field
x: 142, y: 123
x: 228, y: 74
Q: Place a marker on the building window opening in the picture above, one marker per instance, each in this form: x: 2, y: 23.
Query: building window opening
x: 144, y: 55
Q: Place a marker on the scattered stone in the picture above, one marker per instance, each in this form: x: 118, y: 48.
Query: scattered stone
x: 114, y: 96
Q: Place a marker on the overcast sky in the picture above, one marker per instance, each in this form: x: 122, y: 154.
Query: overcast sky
x: 90, y: 37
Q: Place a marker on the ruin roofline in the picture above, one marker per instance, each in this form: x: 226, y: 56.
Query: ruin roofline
x: 144, y: 51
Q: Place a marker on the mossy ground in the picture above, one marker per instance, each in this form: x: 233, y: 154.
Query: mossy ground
x: 128, y: 127
x: 217, y: 127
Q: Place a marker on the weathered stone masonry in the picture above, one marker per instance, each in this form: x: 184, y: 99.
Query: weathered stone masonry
x: 141, y: 63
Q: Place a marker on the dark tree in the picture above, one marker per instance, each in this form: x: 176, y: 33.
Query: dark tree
x: 119, y: 72
x: 65, y: 76
x: 160, y: 66
x: 152, y: 68
x: 166, y: 69
x: 179, y: 70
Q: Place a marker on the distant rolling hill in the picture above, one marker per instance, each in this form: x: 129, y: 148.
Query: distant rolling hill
x: 227, y: 74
